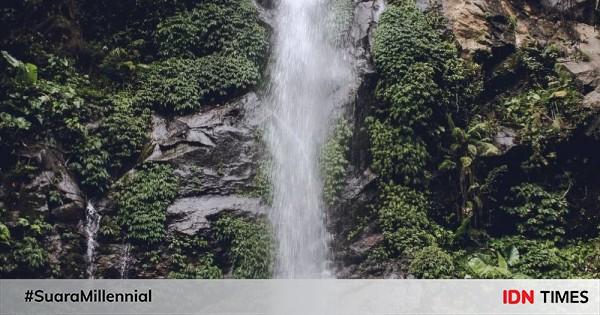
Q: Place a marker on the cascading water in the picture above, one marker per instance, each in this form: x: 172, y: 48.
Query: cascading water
x: 125, y: 257
x: 310, y: 77
x: 92, y: 224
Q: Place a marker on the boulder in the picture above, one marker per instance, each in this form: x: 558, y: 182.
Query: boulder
x: 214, y: 151
x: 191, y: 215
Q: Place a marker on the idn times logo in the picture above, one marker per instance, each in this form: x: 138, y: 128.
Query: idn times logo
x: 516, y: 296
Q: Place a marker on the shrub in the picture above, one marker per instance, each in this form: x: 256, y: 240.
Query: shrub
x: 250, y: 246
x: 538, y: 61
x: 405, y: 38
x: 226, y: 27
x: 545, y: 114
x: 537, y: 258
x: 432, y: 263
x: 497, y: 266
x: 22, y: 251
x: 183, y: 85
x: 410, y: 98
x: 334, y: 162
x: 179, y: 35
x: 142, y: 199
x: 261, y: 183
x: 232, y: 27
x: 91, y: 163
x: 125, y: 130
x: 402, y: 215
x: 397, y: 152
x: 541, y: 214
x: 189, y: 258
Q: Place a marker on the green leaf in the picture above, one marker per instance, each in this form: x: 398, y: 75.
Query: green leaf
x: 513, y: 256
x: 4, y: 234
x: 502, y: 262
x: 488, y: 149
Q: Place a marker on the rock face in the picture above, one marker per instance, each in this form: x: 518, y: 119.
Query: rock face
x: 481, y: 27
x: 52, y: 193
x: 192, y: 215
x: 491, y: 29
x: 216, y: 154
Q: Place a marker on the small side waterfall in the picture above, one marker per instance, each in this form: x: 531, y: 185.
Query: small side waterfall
x: 310, y: 76
x: 125, y: 257
x: 92, y: 224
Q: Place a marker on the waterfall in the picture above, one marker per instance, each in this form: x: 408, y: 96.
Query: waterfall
x: 310, y: 76
x: 124, y: 263
x: 92, y: 224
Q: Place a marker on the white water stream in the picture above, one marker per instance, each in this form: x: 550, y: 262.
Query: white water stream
x: 92, y: 224
x: 311, y: 75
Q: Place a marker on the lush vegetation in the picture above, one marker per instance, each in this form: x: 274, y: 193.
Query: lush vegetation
x: 334, y: 162
x: 190, y: 258
x: 250, y: 247
x: 183, y: 85
x: 142, y: 199
x: 22, y: 250
x: 451, y: 202
x: 80, y: 80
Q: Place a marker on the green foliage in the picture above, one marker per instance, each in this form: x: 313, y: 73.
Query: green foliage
x: 422, y: 76
x: 261, y: 183
x: 183, y: 85
x: 411, y: 96
x: 142, y: 199
x: 406, y: 47
x: 120, y: 63
x: 4, y: 233
x: 543, y: 259
x: 204, y: 268
x: 62, y: 109
x: 109, y: 228
x: 27, y: 73
x: 34, y: 109
x: 541, y: 214
x: 250, y: 246
x: 432, y: 263
x: 91, y: 163
x: 30, y: 254
x: 404, y: 38
x: 460, y: 161
x: 226, y: 27
x: 178, y: 36
x: 483, y: 266
x: 334, y: 162
x: 402, y: 215
x: 545, y: 114
x: 189, y: 259
x: 538, y: 61
x: 21, y: 250
x: 125, y: 129
x: 397, y: 153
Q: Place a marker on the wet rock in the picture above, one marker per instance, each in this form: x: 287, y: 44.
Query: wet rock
x: 468, y: 21
x: 53, y: 178
x: 349, y: 252
x: 366, y: 16
x: 580, y: 10
x: 425, y: 5
x: 214, y: 151
x: 110, y: 262
x: 505, y: 139
x: 191, y: 215
x: 365, y: 243
x: 585, y: 73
